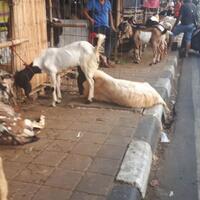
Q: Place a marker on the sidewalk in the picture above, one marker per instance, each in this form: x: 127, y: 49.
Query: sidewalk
x: 80, y: 151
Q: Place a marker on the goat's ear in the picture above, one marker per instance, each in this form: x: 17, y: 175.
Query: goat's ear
x: 28, y: 65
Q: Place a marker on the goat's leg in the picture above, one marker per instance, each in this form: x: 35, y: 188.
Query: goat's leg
x: 137, y: 55
x: 54, y: 85
x: 90, y: 80
x: 155, y: 51
x: 58, y: 86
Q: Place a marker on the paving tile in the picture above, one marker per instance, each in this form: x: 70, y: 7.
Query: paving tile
x: 118, y: 140
x: 49, y: 158
x: 58, y: 124
x: 51, y: 193
x: 13, y: 168
x: 71, y: 135
x: 91, y: 127
x: 63, y: 178
x: 21, y: 191
x: 85, y: 196
x: 95, y: 184
x: 61, y: 146
x: 104, y: 166
x: 86, y: 149
x: 131, y: 120
x: 40, y: 145
x: 49, y: 133
x: 76, y: 162
x: 89, y: 137
x: 34, y: 173
x: 19, y: 155
x: 123, y: 131
x: 111, y: 151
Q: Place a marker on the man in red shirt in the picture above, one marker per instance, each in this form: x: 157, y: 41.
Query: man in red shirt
x: 177, y: 8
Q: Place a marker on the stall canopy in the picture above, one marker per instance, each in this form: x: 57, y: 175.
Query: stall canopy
x: 151, y: 3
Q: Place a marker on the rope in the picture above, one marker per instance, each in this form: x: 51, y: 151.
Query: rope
x: 13, y: 50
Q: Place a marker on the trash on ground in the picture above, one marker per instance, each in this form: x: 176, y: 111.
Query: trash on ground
x: 171, y: 194
x: 79, y: 134
x: 154, y: 183
x: 164, y: 138
x: 155, y: 157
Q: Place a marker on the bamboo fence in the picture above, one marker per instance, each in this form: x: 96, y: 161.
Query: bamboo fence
x: 29, y: 24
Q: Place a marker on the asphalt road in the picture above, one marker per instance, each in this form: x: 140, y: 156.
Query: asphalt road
x: 178, y: 171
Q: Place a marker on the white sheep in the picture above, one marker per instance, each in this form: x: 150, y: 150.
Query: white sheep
x: 53, y: 60
x: 123, y: 92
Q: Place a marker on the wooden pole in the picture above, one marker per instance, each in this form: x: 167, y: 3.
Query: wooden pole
x: 51, y: 21
x: 118, y: 18
x: 10, y: 29
x: 12, y: 43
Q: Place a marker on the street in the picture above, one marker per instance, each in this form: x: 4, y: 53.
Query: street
x: 178, y: 170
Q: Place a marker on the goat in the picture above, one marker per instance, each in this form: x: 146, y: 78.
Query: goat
x: 142, y: 35
x: 3, y: 183
x: 14, y: 129
x: 53, y: 60
x: 122, y: 92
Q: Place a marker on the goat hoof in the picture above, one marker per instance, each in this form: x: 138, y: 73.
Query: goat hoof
x: 88, y: 101
x: 53, y: 104
x: 58, y: 101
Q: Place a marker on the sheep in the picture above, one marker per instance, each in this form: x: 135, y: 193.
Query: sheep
x: 14, y: 129
x: 3, y: 183
x: 53, y: 60
x: 122, y: 92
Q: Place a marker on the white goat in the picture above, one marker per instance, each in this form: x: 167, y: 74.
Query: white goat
x: 53, y: 60
x: 123, y: 92
x: 3, y: 183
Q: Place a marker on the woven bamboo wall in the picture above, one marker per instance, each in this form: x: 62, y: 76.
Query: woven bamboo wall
x: 29, y: 22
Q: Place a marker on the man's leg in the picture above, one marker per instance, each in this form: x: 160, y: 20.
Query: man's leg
x: 188, y: 37
x: 177, y: 30
x: 110, y: 42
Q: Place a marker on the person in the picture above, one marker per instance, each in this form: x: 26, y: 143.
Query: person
x: 170, y: 8
x: 198, y: 14
x: 177, y: 8
x: 56, y: 14
x: 99, y: 14
x: 187, y: 17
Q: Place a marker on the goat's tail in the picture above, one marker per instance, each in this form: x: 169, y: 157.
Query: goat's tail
x: 100, y: 41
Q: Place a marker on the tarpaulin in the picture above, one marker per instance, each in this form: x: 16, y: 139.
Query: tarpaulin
x: 151, y: 3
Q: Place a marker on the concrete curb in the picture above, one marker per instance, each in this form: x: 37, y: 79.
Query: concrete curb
x: 132, y: 178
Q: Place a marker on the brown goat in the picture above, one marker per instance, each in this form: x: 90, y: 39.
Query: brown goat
x: 143, y: 35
